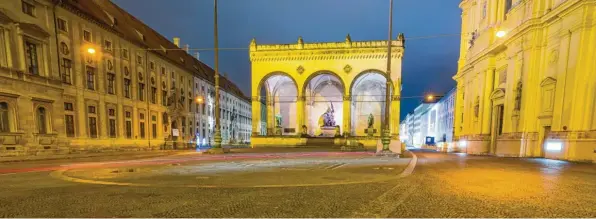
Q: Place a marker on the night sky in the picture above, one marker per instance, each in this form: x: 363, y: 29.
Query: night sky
x: 429, y: 63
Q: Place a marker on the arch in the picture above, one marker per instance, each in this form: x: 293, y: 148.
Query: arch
x: 368, y: 98
x: 281, y: 94
x: 324, y: 93
x: 367, y: 71
x: 321, y: 72
x: 274, y: 73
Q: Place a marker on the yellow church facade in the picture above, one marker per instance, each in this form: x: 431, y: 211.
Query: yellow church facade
x: 332, y: 89
x: 526, y: 80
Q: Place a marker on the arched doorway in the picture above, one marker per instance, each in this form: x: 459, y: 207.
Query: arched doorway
x: 323, y: 94
x: 280, y: 93
x: 368, y: 98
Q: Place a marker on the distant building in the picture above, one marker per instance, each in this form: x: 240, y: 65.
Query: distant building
x: 431, y: 125
x: 88, y: 76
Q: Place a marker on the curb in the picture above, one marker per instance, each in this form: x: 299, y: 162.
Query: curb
x: 410, y: 168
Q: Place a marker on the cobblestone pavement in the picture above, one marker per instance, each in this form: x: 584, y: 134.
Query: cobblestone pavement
x: 442, y: 185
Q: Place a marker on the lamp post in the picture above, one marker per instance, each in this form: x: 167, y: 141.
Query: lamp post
x: 217, y: 135
x: 386, y: 134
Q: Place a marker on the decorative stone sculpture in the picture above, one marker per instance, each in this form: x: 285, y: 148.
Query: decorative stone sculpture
x: 304, y: 131
x: 278, y: 121
x: 328, y: 118
x: 371, y: 120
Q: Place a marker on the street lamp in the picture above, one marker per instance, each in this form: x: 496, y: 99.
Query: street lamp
x: 430, y: 97
x: 386, y: 134
x: 217, y: 135
x: 91, y: 50
x: 199, y: 99
x: 501, y: 33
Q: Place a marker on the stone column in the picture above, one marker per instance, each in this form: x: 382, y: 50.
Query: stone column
x: 486, y: 103
x: 300, y: 114
x: 256, y: 115
x: 395, y: 101
x: 347, y: 120
x: 270, y: 116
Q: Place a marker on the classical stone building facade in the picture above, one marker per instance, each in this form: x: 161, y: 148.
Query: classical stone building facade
x: 86, y: 75
x: 304, y: 85
x: 527, y: 79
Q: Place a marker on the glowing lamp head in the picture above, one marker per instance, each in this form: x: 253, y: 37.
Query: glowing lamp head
x: 91, y: 50
x: 199, y: 99
x: 501, y: 33
x: 430, y: 97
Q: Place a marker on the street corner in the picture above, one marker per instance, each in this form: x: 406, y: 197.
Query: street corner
x: 250, y: 173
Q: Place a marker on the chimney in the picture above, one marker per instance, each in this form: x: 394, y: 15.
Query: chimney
x: 186, y: 48
x: 197, y: 56
x: 177, y: 41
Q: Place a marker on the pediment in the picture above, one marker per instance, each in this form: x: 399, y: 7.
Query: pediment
x: 548, y: 81
x: 497, y: 93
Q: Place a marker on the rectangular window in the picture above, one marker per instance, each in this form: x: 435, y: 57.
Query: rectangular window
x: 31, y: 57
x: 90, y: 77
x: 69, y: 122
x: 508, y: 5
x: 112, y: 128
x: 91, y: 109
x: 127, y: 114
x: 86, y: 35
x: 154, y: 130
x: 28, y: 8
x: 92, y: 127
x: 108, y: 45
x: 142, y: 129
x: 61, y: 25
x: 111, y: 112
x: 68, y: 107
x: 163, y: 71
x: 127, y: 88
x: 203, y: 108
x: 164, y: 98
x: 66, y: 71
x: 125, y: 53
x: 139, y: 59
x: 111, y: 88
x: 128, y: 129
x: 141, y: 93
x: 153, y: 95
x: 152, y: 65
x: 189, y: 105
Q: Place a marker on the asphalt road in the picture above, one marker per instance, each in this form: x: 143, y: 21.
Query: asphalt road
x: 302, y: 185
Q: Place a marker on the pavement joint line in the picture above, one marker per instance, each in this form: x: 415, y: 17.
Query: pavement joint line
x: 59, y: 174
x: 410, y: 168
x: 378, y: 208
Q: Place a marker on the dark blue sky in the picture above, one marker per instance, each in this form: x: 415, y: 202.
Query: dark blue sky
x: 428, y: 63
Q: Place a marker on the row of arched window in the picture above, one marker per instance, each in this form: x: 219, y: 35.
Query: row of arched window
x: 41, y: 119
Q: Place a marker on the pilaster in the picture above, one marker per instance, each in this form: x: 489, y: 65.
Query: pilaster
x: 347, y: 115
x: 300, y: 114
x: 256, y: 115
x: 394, y: 116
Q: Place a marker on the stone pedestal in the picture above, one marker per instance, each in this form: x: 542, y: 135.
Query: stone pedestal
x: 370, y: 131
x: 328, y: 131
x: 278, y: 131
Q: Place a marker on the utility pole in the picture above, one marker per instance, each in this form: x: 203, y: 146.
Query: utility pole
x: 217, y: 136
x: 386, y: 138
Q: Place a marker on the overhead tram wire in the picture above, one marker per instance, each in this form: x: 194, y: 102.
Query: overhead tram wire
x: 246, y: 48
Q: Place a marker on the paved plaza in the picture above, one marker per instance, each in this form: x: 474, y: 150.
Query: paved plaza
x: 298, y: 184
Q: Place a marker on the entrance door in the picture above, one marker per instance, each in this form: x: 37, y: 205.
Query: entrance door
x: 497, y: 128
x: 545, y: 132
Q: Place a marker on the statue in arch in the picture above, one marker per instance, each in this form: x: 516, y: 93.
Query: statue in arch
x: 278, y: 121
x: 371, y: 120
x: 328, y: 118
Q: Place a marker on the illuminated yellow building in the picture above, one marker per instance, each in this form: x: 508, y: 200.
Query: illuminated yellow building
x: 526, y: 82
x: 300, y: 82
x: 81, y: 76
